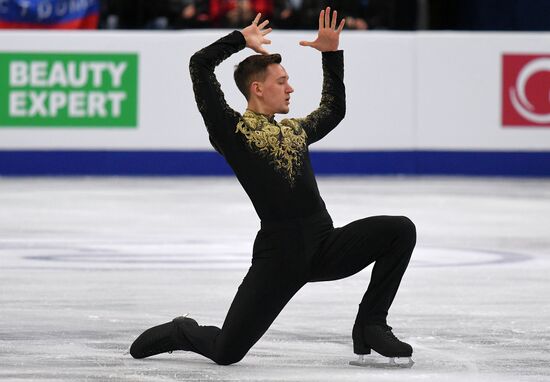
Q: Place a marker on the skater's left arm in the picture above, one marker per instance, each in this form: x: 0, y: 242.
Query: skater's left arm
x: 332, y: 108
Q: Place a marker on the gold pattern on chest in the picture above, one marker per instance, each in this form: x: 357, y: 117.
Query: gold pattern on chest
x: 283, y: 143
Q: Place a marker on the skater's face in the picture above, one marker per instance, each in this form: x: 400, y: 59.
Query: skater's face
x: 274, y: 91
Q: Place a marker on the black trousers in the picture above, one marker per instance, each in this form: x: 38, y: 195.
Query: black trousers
x: 289, y: 254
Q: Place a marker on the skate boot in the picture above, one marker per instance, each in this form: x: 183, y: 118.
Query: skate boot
x: 163, y: 338
x: 379, y: 338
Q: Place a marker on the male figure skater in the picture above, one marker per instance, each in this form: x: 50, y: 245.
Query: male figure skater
x: 297, y: 242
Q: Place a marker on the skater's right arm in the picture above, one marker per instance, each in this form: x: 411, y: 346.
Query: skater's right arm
x: 208, y: 94
x: 217, y: 114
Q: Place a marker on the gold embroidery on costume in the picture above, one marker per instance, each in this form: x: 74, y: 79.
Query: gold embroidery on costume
x: 283, y: 143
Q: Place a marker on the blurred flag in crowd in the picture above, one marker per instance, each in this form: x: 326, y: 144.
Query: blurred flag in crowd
x: 49, y: 14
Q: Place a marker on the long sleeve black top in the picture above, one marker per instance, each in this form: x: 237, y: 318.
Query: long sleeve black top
x: 269, y: 158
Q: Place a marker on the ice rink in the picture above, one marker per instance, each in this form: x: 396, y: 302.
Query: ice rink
x: 86, y: 264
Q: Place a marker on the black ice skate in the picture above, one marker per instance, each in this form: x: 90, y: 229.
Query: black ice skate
x: 380, y: 339
x: 163, y: 338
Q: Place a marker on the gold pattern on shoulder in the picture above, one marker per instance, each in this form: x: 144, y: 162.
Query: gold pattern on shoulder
x: 283, y: 143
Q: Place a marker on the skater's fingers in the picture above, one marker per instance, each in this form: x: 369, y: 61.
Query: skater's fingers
x: 341, y: 26
x: 257, y: 19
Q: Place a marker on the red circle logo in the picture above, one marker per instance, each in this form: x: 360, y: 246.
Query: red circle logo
x: 526, y: 90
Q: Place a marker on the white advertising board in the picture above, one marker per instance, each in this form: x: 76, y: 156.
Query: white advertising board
x: 460, y: 91
x: 405, y: 91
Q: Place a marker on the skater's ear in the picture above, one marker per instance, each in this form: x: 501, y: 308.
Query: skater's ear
x: 256, y: 89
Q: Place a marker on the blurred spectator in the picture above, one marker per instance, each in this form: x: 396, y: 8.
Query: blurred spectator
x: 158, y: 14
x: 355, y: 12
x: 365, y: 14
x: 176, y: 14
x: 283, y: 14
x: 49, y: 14
x: 194, y: 14
x: 287, y: 14
x: 238, y: 13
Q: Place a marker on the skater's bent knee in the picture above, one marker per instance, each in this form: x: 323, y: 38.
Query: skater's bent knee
x: 408, y: 223
x: 227, y: 359
x: 226, y: 355
x: 407, y: 228
x: 225, y: 362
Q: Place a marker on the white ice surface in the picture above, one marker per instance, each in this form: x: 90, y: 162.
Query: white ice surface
x: 87, y: 264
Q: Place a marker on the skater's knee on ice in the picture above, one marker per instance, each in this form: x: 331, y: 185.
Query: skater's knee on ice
x: 228, y: 356
x: 228, y: 359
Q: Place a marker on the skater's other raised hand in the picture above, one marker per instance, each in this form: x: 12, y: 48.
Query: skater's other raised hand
x: 254, y: 35
x: 329, y: 36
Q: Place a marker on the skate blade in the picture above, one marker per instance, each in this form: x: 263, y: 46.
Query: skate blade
x: 392, y: 364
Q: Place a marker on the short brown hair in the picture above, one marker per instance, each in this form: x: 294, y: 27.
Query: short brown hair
x: 253, y: 68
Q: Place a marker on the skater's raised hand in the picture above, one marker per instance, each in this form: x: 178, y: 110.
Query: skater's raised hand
x: 254, y: 35
x: 329, y: 36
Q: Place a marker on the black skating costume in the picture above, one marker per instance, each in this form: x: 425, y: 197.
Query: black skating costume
x: 297, y: 242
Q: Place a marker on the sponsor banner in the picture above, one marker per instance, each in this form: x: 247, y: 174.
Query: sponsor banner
x: 68, y: 90
x: 526, y: 90
x: 51, y: 14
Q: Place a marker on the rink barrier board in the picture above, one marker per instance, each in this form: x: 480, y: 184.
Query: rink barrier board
x: 405, y: 91
x: 196, y: 163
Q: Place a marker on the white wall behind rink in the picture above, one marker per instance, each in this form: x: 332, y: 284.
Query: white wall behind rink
x: 405, y: 91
